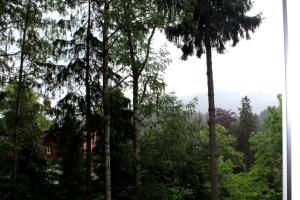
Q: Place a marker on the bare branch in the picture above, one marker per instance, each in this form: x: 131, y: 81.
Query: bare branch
x: 10, y: 54
x: 144, y: 91
x: 113, y: 33
x: 121, y: 81
x: 113, y: 43
x: 148, y: 51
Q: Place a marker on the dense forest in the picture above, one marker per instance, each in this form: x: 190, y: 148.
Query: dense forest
x: 70, y: 131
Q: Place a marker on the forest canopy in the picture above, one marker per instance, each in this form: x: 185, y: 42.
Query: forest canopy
x: 84, y: 114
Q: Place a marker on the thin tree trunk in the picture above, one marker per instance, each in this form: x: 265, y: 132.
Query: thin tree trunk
x: 211, y: 121
x: 106, y: 106
x: 135, y: 122
x: 18, y: 106
x: 136, y: 134
x: 88, y: 107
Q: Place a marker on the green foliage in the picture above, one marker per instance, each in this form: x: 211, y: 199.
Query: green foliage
x: 226, y: 147
x: 171, y: 154
x: 122, y: 157
x: 26, y: 33
x: 247, y: 125
x: 226, y: 118
x: 71, y: 181
x: 133, y: 52
x: 31, y: 109
x: 176, y: 154
x: 31, y: 161
x: 175, y: 150
x: 264, y: 178
x: 218, y: 22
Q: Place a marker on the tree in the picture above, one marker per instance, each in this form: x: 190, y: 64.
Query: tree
x: 68, y: 132
x: 171, y: 147
x: 88, y: 103
x: 138, y: 25
x: 106, y: 107
x: 86, y: 50
x: 267, y: 149
x: 264, y: 178
x: 247, y: 125
x: 31, y: 162
x: 204, y: 26
x: 226, y: 118
x: 82, y: 52
x: 175, y: 153
x: 26, y: 18
x: 6, y: 10
x: 122, y: 169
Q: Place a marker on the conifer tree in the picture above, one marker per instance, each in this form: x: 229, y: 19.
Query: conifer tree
x: 247, y: 125
x: 78, y: 44
x: 205, y: 25
x: 68, y: 132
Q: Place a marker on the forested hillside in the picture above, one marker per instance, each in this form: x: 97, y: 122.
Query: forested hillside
x: 84, y: 114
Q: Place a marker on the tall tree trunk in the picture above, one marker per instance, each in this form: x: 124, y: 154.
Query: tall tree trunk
x: 211, y: 120
x: 88, y: 107
x: 135, y: 122
x: 18, y: 106
x: 136, y: 134
x: 106, y: 106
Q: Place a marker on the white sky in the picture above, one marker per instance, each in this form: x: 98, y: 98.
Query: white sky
x: 254, y: 66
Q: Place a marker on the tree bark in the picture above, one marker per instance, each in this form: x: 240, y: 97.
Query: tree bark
x: 106, y: 106
x: 135, y: 121
x: 136, y: 134
x: 211, y: 120
x: 18, y: 106
x: 88, y: 107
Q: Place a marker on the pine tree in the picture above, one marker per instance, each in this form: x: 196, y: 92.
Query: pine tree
x: 69, y: 136
x: 82, y: 72
x: 247, y: 125
x: 205, y: 25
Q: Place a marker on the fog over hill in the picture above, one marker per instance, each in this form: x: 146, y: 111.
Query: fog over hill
x: 231, y: 100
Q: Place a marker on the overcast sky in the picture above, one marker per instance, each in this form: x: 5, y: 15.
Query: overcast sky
x: 254, y: 67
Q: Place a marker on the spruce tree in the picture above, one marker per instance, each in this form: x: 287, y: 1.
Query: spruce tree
x: 69, y: 144
x: 202, y: 26
x: 78, y: 44
x: 247, y: 125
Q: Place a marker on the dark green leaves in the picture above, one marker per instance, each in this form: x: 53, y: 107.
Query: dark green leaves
x: 226, y: 21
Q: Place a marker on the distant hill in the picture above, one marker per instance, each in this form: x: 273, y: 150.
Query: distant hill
x: 230, y: 100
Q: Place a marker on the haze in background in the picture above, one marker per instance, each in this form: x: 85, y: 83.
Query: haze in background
x: 254, y: 67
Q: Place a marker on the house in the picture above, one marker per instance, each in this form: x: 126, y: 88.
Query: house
x: 50, y: 141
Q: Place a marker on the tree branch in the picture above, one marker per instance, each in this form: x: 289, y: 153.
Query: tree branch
x: 113, y: 33
x: 144, y: 91
x: 112, y: 43
x: 121, y: 81
x: 10, y: 54
x: 148, y: 51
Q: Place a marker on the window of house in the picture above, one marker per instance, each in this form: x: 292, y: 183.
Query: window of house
x: 48, y: 149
